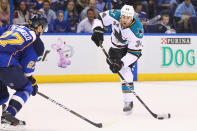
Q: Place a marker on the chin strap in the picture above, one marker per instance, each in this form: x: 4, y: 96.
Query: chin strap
x: 131, y: 22
x: 37, y: 33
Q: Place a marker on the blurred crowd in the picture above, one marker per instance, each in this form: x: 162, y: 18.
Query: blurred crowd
x: 77, y: 16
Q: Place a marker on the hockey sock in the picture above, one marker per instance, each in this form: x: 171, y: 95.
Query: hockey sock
x: 17, y: 101
x: 127, y: 94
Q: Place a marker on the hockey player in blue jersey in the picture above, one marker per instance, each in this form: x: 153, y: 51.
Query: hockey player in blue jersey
x: 126, y: 45
x: 20, y: 46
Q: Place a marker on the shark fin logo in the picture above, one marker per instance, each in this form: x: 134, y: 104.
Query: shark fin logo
x: 118, y: 36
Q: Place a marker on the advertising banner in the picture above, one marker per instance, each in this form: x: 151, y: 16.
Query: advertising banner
x: 169, y: 54
x: 169, y: 57
x: 71, y: 54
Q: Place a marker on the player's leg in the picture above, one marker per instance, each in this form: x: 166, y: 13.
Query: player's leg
x: 4, y: 95
x: 116, y: 55
x: 14, y: 77
x: 126, y: 89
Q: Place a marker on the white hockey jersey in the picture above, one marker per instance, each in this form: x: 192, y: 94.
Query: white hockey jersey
x: 121, y: 37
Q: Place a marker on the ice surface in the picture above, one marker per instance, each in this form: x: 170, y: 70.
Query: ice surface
x: 102, y: 102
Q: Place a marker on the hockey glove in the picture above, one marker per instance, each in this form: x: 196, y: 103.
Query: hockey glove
x: 34, y: 85
x: 115, y: 66
x: 97, y: 35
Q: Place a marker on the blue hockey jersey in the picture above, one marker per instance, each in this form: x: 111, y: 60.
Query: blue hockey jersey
x: 20, y: 46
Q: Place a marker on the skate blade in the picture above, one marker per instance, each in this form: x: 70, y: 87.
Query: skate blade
x: 7, y: 127
x: 127, y: 113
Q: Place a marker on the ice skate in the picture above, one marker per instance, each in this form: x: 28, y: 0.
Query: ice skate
x: 128, y: 108
x: 9, y: 122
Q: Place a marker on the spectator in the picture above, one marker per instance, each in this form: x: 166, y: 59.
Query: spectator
x: 185, y: 9
x: 128, y: 2
x: 118, y: 4
x: 92, y: 5
x: 194, y: 2
x: 71, y: 16
x: 21, y: 15
x: 183, y: 13
x: 151, y: 9
x: 85, y: 26
x: 106, y: 6
x: 165, y: 18
x: 145, y: 4
x: 164, y: 5
x: 100, y: 4
x: 47, y: 12
x: 59, y: 25
x: 59, y: 5
x: 52, y: 1
x: 155, y: 25
x: 174, y: 3
x: 81, y: 4
x: 41, y: 1
x: 4, y: 12
x: 142, y: 16
x: 31, y: 4
x: 31, y: 11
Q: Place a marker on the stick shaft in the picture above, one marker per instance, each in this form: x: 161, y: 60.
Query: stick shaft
x: 99, y: 125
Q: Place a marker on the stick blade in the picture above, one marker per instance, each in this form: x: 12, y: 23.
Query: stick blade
x: 99, y: 125
x: 164, y: 116
x: 110, y: 123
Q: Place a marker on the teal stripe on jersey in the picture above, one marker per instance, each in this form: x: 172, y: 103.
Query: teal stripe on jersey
x: 115, y: 14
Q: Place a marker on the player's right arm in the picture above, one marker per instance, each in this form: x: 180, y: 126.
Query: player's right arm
x: 30, y: 56
x: 104, y: 19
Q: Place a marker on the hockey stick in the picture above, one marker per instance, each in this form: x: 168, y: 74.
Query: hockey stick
x: 157, y: 116
x: 99, y: 125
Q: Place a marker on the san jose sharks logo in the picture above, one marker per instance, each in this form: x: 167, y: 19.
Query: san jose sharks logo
x: 118, y: 36
x: 140, y: 32
x: 115, y: 23
x: 104, y: 14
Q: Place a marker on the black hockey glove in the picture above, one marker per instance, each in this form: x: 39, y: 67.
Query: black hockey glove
x: 115, y: 66
x: 97, y: 35
x: 34, y: 85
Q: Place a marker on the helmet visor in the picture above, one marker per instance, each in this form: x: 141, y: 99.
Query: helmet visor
x: 45, y: 28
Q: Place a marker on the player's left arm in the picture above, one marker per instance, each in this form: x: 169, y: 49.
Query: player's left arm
x: 29, y: 59
x: 31, y: 55
x: 28, y: 63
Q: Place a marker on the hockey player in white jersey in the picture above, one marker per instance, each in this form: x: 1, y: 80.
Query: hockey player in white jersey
x: 126, y: 45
